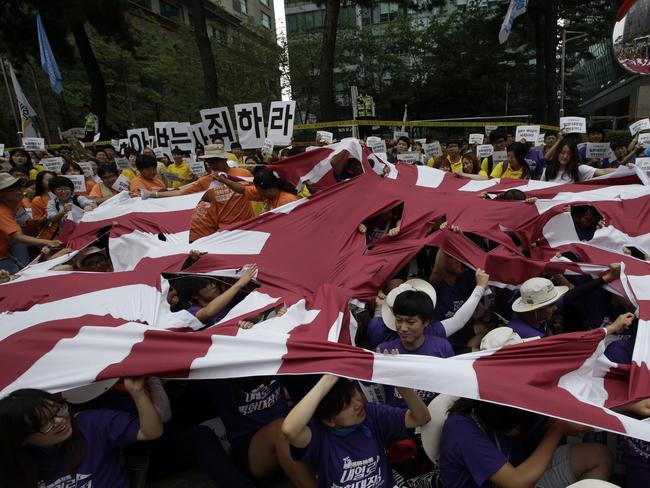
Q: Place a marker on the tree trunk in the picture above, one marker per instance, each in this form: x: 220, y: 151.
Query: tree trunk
x: 98, y: 101
x: 205, y: 53
x: 326, y: 75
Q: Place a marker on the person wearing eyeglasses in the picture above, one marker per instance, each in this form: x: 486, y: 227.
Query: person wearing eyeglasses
x: 43, y: 444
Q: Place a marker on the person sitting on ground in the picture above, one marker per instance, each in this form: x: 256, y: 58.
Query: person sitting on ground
x: 102, y: 191
x: 268, y: 188
x: 65, y: 201
x: 75, y: 169
x: 44, y: 444
x: 147, y: 166
x: 565, y: 166
x: 515, y: 167
x: 345, y: 439
x: 179, y: 172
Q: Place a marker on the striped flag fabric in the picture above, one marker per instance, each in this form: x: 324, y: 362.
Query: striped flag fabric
x: 66, y: 330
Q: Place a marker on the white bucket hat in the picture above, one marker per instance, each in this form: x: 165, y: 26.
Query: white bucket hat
x: 410, y: 285
x: 214, y: 151
x: 431, y: 432
x: 593, y: 484
x: 499, y: 337
x: 537, y: 293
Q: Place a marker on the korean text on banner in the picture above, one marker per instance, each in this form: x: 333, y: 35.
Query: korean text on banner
x: 34, y: 144
x: 79, y: 182
x: 52, y: 164
x: 573, y: 125
x: 122, y: 183
x: 250, y: 125
x: 484, y: 150
x: 324, y: 136
x: 411, y: 157
x: 639, y: 125
x: 528, y: 132
x: 219, y: 124
x: 281, y: 120
x: 432, y: 150
x: 138, y: 138
x: 476, y: 138
x: 597, y: 150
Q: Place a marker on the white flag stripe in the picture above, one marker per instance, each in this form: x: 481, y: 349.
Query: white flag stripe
x: 429, y: 177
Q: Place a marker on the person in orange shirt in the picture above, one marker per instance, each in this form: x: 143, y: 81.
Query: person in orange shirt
x: 39, y: 205
x: 75, y: 169
x: 147, y: 166
x: 226, y: 206
x: 104, y: 190
x: 268, y: 188
x: 13, y: 256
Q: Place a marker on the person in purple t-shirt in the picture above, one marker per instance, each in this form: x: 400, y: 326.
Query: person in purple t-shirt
x: 344, y: 438
x: 208, y: 301
x: 43, y: 444
x: 478, y: 449
x: 453, y: 283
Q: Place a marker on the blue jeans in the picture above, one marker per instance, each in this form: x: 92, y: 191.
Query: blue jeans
x: 9, y: 265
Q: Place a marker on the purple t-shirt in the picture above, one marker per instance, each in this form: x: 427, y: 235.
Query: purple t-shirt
x: 536, y: 162
x: 220, y: 315
x: 451, y: 298
x: 526, y: 330
x: 355, y: 460
x: 432, y: 346
x: 602, y: 163
x: 468, y: 457
x: 377, y: 332
x: 105, y: 432
x: 245, y: 408
x: 620, y: 351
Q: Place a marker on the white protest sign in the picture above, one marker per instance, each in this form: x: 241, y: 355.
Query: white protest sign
x: 197, y: 167
x: 219, y: 124
x: 484, y: 150
x: 421, y: 141
x: 528, y: 132
x: 52, y: 164
x: 644, y: 140
x: 138, y: 138
x: 116, y: 144
x: 87, y: 168
x: 34, y: 144
x: 324, y: 136
x: 250, y: 125
x: 161, y: 132
x: 79, y: 182
x: 499, y: 156
x: 476, y: 138
x: 490, y: 128
x: 540, y: 140
x: 639, y: 125
x: 96, y: 137
x: 573, y: 125
x: 281, y: 117
x: 597, y: 150
x: 159, y: 152
x: 122, y: 163
x: 2, y: 150
x: 122, y: 143
x: 267, y: 148
x: 180, y: 137
x: 642, y: 167
x: 400, y: 133
x: 122, y: 183
x: 200, y: 134
x: 376, y: 144
x: 432, y: 150
x: 411, y: 157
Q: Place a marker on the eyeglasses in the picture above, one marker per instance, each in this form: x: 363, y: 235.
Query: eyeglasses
x: 60, y: 413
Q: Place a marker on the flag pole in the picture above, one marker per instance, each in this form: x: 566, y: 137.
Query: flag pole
x: 11, y: 100
x: 46, y: 126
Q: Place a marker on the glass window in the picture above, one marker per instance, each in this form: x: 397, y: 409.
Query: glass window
x: 144, y: 3
x: 266, y: 20
x: 240, y: 6
x: 265, y: 2
x: 169, y: 10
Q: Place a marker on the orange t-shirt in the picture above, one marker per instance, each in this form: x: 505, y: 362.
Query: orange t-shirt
x: 203, y: 223
x: 39, y: 210
x: 139, y: 182
x: 8, y: 226
x: 98, y: 191
x: 251, y: 193
x: 226, y: 206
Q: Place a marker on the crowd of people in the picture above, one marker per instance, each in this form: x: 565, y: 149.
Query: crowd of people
x: 318, y: 431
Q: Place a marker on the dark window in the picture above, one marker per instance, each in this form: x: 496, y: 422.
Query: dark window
x: 169, y: 10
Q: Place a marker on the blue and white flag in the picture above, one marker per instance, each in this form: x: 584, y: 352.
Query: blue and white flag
x: 47, y: 57
x: 516, y: 8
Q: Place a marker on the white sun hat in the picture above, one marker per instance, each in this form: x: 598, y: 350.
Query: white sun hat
x: 499, y: 337
x: 431, y: 432
x: 537, y: 293
x: 415, y: 284
x: 593, y: 484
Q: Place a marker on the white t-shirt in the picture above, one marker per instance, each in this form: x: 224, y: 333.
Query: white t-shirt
x: 586, y: 173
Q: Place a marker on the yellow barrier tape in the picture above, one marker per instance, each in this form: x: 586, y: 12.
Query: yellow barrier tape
x: 58, y: 146
x: 399, y: 123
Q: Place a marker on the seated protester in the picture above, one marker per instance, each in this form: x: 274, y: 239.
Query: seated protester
x: 565, y: 167
x: 75, y: 169
x: 453, y: 283
x: 516, y: 167
x: 19, y: 158
x: 622, y: 155
x: 470, y: 164
x: 93, y: 259
x: 585, y: 218
x: 104, y: 190
x: 345, y: 440
x: 498, y: 140
x: 178, y: 173
x: 413, y: 310
x: 237, y: 152
x: 454, y: 157
x: 594, y: 135
x: 226, y: 206
x: 147, y: 166
x: 402, y: 145
x: 64, y: 201
x: 44, y: 444
x: 13, y: 251
x: 42, y: 196
x: 100, y: 156
x: 209, y: 302
x: 385, y: 223
x: 132, y: 172
x: 442, y: 163
x: 479, y: 447
x: 382, y: 329
x: 540, y: 299
x: 268, y: 188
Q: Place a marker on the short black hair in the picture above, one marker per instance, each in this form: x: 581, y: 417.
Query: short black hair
x: 66, y: 166
x: 512, y: 194
x: 130, y: 151
x: 59, y: 181
x: 176, y: 151
x: 414, y: 303
x: 235, y: 145
x: 145, y: 161
x: 593, y: 129
x: 336, y: 399
x: 106, y: 169
x: 188, y: 287
x: 495, y: 135
x: 405, y: 139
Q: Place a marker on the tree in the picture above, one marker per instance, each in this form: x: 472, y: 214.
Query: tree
x: 205, y: 52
